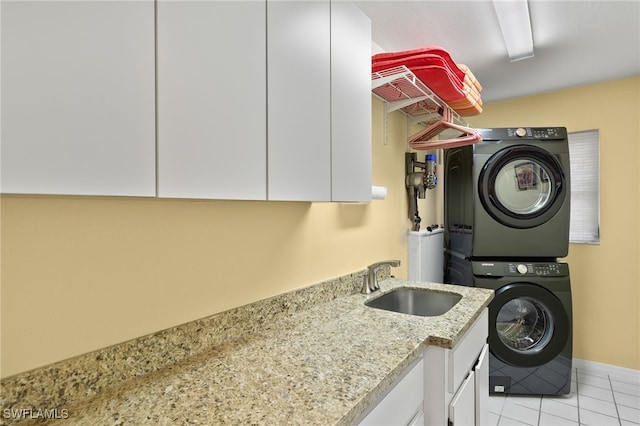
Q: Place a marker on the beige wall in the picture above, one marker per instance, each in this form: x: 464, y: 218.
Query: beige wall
x: 79, y: 274
x: 605, y: 278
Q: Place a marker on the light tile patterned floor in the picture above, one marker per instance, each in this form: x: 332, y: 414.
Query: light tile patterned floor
x: 599, y: 397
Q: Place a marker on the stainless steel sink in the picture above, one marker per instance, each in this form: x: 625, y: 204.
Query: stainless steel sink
x: 415, y: 301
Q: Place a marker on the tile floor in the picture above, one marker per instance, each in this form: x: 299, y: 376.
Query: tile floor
x: 599, y: 397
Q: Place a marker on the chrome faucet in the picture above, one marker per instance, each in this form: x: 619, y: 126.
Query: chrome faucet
x: 370, y: 283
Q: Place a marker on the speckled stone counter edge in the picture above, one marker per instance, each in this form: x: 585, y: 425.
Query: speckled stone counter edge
x: 83, y: 376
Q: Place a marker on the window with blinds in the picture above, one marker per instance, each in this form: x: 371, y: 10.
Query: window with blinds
x: 584, y: 152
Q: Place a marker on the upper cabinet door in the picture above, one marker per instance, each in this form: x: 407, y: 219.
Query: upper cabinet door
x: 212, y: 99
x: 350, y: 103
x: 299, y: 100
x: 78, y: 98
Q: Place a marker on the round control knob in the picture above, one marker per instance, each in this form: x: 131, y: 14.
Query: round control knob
x: 521, y: 132
x: 522, y: 268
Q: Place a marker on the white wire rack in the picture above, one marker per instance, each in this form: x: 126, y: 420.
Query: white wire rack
x: 402, y: 90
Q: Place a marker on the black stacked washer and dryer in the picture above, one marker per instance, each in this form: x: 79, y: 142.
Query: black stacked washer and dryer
x: 507, y: 202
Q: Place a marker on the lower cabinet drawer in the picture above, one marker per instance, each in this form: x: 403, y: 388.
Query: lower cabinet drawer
x: 403, y: 403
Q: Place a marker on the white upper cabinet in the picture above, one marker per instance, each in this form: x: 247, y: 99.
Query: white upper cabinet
x: 249, y: 100
x: 212, y: 99
x: 319, y: 101
x: 350, y: 103
x: 299, y: 100
x: 78, y: 98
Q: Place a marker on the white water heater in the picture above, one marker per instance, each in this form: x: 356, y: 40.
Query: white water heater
x: 426, y: 255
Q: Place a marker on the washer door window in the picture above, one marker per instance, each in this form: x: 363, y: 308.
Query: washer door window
x: 522, y: 186
x: 528, y: 325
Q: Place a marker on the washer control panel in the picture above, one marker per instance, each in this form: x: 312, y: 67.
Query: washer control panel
x: 520, y: 269
x: 538, y: 269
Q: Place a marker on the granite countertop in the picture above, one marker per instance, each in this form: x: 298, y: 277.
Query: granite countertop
x: 322, y: 365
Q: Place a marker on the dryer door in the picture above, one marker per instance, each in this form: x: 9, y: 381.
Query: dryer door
x: 522, y: 186
x: 528, y: 325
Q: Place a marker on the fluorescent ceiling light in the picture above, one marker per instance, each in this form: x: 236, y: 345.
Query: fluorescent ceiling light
x: 513, y: 16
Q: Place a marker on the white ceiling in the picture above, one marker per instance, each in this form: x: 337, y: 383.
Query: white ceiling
x: 576, y: 42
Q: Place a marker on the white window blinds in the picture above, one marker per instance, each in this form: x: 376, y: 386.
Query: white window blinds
x: 584, y: 151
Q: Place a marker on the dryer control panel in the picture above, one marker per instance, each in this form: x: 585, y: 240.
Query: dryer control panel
x: 523, y: 133
x: 520, y: 269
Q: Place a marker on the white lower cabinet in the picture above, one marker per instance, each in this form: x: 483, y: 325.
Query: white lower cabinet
x: 463, y: 405
x: 469, y: 405
x: 419, y: 419
x: 402, y: 405
x: 482, y: 387
x: 457, y: 380
x: 453, y: 387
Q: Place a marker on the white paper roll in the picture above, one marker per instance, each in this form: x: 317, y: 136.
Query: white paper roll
x: 378, y: 192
